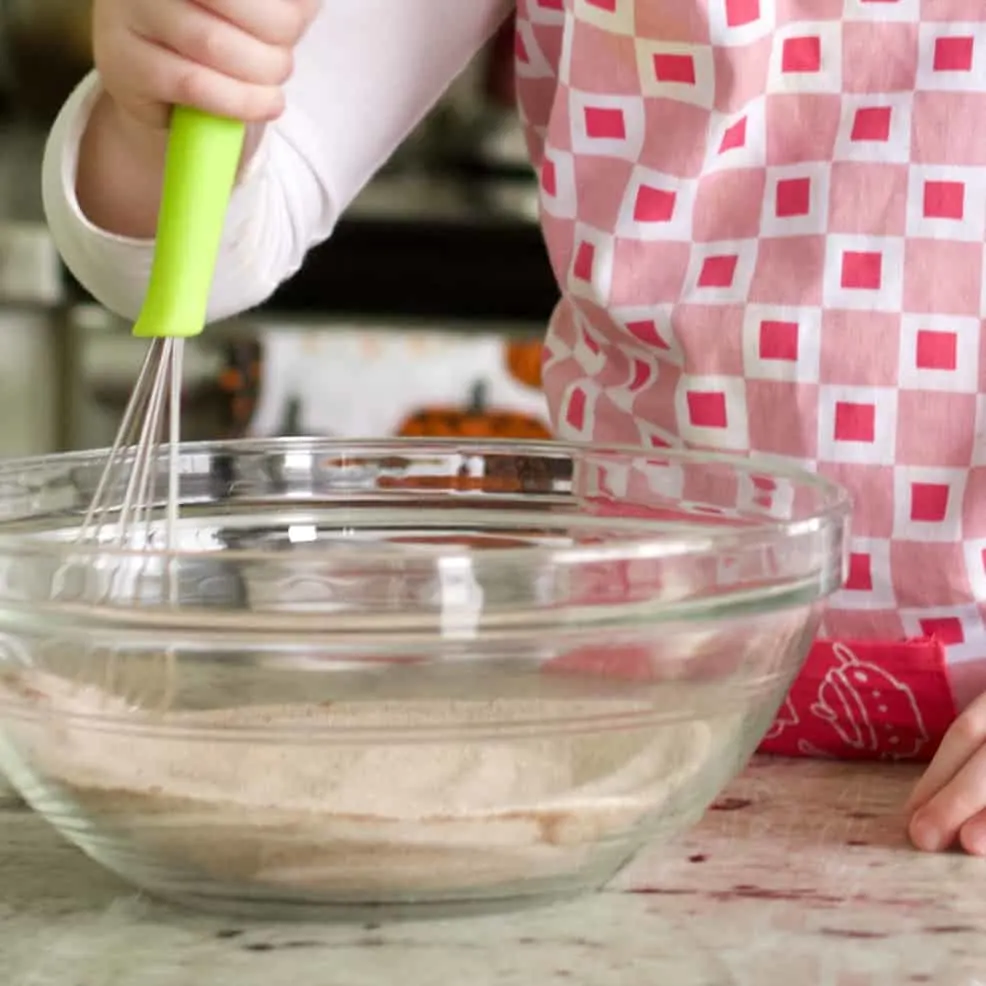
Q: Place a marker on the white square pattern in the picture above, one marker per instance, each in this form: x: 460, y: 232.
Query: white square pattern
x: 952, y: 57
x: 742, y: 31
x: 681, y: 72
x: 657, y: 206
x: 786, y: 183
x: 946, y: 203
x: 793, y: 67
x: 857, y: 424
x: 927, y: 346
x: 607, y: 126
x: 759, y: 363
x: 864, y: 273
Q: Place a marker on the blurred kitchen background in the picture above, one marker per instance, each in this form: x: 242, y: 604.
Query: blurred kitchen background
x: 422, y: 315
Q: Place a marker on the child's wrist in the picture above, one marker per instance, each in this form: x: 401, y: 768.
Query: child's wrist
x: 120, y: 169
x: 143, y: 144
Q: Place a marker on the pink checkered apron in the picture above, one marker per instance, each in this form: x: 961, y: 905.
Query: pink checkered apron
x: 767, y: 218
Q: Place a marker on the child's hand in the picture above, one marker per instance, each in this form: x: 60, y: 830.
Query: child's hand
x: 229, y: 57
x: 948, y: 805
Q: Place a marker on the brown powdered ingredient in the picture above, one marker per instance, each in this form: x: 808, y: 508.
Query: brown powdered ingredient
x: 350, y: 818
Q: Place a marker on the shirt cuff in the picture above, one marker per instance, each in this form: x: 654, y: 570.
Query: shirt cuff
x: 115, y: 269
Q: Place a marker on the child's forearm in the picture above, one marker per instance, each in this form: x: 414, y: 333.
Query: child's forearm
x: 120, y: 168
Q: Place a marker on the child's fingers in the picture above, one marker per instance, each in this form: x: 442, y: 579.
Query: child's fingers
x: 966, y: 736
x: 169, y: 78
x: 936, y: 826
x: 215, y: 43
x: 972, y: 835
x: 275, y: 22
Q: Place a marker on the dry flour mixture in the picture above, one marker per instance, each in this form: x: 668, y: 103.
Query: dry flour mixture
x: 355, y: 817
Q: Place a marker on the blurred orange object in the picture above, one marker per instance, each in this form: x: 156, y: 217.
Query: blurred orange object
x: 524, y: 358
x: 454, y: 422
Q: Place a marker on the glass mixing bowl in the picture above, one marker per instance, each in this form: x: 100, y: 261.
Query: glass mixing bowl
x: 416, y: 674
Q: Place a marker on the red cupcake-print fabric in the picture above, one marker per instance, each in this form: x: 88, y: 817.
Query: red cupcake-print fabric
x: 866, y: 700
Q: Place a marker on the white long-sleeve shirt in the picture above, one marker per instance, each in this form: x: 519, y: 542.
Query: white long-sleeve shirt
x: 366, y: 73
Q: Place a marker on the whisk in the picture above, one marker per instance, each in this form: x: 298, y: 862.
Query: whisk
x: 203, y: 156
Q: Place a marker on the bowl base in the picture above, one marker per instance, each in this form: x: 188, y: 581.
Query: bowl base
x: 252, y: 900
x: 305, y: 912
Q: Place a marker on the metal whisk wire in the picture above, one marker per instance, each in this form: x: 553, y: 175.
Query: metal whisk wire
x: 136, y: 447
x: 148, y: 440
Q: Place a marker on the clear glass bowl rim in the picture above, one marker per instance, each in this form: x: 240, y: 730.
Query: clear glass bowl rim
x: 645, y: 539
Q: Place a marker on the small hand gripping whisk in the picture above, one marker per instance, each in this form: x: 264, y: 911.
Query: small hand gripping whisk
x: 127, y: 509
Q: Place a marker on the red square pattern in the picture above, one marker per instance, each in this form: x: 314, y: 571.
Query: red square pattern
x: 591, y: 344
x: 946, y: 629
x: 549, y: 177
x: 734, y: 137
x: 707, y: 409
x: 953, y: 54
x: 802, y: 54
x: 944, y: 200
x: 575, y: 414
x: 793, y: 197
x: 653, y: 205
x: 605, y: 123
x: 860, y: 573
x: 646, y: 331
x: 608, y: 5
x: 520, y: 49
x: 936, y: 350
x: 855, y: 422
x: 779, y: 341
x: 675, y: 68
x: 871, y: 123
x: 929, y: 502
x: 718, y: 272
x: 863, y: 271
x: 585, y: 257
x: 741, y: 12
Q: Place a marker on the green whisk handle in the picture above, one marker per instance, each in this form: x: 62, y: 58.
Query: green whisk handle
x: 203, y: 157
